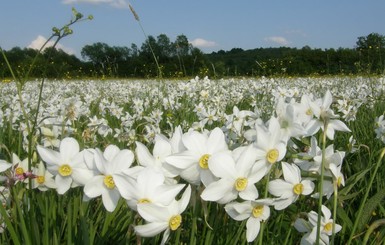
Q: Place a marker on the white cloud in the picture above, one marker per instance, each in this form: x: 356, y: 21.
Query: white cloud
x: 40, y: 40
x: 202, y: 43
x: 113, y: 3
x: 277, y: 40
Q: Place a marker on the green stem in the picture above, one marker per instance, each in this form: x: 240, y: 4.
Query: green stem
x: 366, y: 196
x: 335, y: 202
x: 320, y: 186
x: 372, y: 227
x: 178, y: 236
x: 195, y: 212
x: 265, y: 194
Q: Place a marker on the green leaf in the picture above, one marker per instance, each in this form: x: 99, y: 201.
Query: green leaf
x: 10, y: 228
x: 369, y: 207
x: 352, y: 181
x: 345, y: 218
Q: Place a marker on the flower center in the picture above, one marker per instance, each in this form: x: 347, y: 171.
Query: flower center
x: 298, y: 189
x: 339, y: 181
x: 65, y: 170
x: 272, y: 156
x: 19, y: 171
x: 257, y: 211
x: 144, y: 200
x: 109, y: 182
x: 328, y: 227
x: 175, y: 222
x: 40, y: 179
x: 240, y: 184
x: 285, y: 124
x: 204, y: 161
x: 309, y: 112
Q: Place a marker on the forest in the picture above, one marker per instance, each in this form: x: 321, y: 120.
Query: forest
x: 161, y: 57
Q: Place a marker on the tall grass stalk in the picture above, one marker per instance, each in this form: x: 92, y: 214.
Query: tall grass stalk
x: 136, y: 16
x: 20, y: 81
x: 26, y: 216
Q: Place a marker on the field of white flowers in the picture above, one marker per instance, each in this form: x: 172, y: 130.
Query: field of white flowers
x: 198, y: 161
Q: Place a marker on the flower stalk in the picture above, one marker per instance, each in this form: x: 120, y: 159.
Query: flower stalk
x: 320, y: 186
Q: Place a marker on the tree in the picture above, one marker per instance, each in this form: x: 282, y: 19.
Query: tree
x: 58, y: 64
x: 164, y: 47
x: 104, y: 58
x: 182, y: 48
x: 371, y: 41
x: 97, y: 55
x: 371, y: 49
x: 147, y: 59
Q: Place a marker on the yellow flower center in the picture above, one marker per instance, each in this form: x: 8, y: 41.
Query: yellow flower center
x: 257, y: 211
x: 272, y: 156
x: 240, y: 184
x: 204, y: 161
x: 40, y: 179
x: 65, y: 170
x: 144, y: 200
x: 328, y: 227
x: 339, y: 181
x: 109, y: 182
x: 19, y: 171
x: 298, y: 189
x: 309, y: 112
x: 175, y: 222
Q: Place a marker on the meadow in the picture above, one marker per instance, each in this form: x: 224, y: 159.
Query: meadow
x: 193, y: 161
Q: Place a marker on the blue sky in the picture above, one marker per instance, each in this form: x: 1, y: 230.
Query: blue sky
x: 210, y: 25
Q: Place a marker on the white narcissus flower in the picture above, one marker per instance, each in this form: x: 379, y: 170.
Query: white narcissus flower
x: 270, y: 146
x: 50, y: 137
x: 312, y: 159
x: 338, y: 177
x: 110, y: 182
x: 162, y: 218
x: 193, y: 162
x: 310, y: 227
x: 291, y: 188
x: 254, y: 211
x: 150, y: 187
x: 238, y: 119
x: 287, y: 118
x: 20, y: 168
x: 303, y: 109
x: 331, y: 157
x: 379, y: 128
x: 162, y: 149
x: 305, y: 159
x: 326, y: 221
x: 236, y: 176
x: 67, y: 165
x: 176, y: 141
x: 322, y: 112
x: 43, y: 179
x: 4, y: 165
x: 335, y: 173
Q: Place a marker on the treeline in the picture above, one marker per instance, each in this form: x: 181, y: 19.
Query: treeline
x: 161, y: 57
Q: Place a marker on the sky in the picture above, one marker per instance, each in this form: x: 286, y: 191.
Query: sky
x: 210, y: 25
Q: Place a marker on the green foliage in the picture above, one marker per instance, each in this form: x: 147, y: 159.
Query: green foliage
x: 181, y: 59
